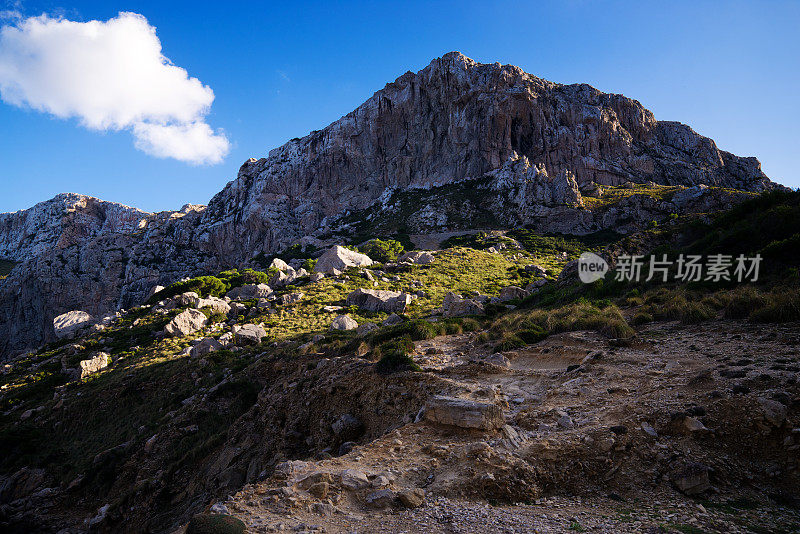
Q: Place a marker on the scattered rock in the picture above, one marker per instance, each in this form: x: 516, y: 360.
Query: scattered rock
x: 344, y: 322
x: 249, y: 334
x: 512, y: 293
x: 205, y: 346
x: 69, y: 324
x: 347, y: 427
x: 88, y: 367
x: 380, y: 499
x: 455, y: 306
x: 417, y: 257
x: 366, y: 328
x: 379, y: 301
x: 692, y: 479
x: 392, y: 320
x: 250, y: 291
x: 354, y: 480
x: 339, y: 258
x: 412, y: 498
x: 773, y: 411
x: 185, y: 323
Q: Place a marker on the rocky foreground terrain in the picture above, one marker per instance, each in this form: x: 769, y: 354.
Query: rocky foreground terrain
x: 380, y: 328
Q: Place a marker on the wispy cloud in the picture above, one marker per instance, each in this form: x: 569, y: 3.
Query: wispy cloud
x: 109, y: 75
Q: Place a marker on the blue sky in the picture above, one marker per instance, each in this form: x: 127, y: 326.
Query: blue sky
x: 730, y: 70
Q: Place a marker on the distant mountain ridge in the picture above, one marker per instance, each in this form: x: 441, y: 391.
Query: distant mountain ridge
x: 454, y: 121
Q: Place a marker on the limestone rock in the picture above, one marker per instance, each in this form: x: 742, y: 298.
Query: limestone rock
x: 96, y: 363
x: 417, y: 257
x: 250, y: 291
x: 340, y: 258
x: 382, y: 498
x: 691, y: 479
x: 344, y: 322
x: 379, y: 301
x: 185, y: 323
x: 279, y: 264
x: 455, y: 306
x: 249, y: 334
x: 512, y: 293
x: 354, y: 480
x: 464, y: 413
x: 412, y: 498
x: 216, y: 304
x: 205, y: 346
x: 366, y: 328
x: 773, y: 411
x: 68, y: 324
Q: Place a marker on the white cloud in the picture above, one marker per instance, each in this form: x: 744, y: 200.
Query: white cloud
x: 111, y: 76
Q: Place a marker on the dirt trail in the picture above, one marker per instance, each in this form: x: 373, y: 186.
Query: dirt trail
x: 691, y: 429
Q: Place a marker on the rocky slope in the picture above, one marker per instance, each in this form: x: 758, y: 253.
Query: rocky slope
x: 511, y: 143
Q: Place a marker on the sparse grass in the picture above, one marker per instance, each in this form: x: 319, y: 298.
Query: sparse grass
x: 531, y: 326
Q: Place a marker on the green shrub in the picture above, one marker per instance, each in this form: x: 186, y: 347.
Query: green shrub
x: 394, y: 356
x: 470, y: 325
x: 532, y: 335
x: 780, y: 306
x: 642, y: 318
x: 743, y: 302
x: 509, y: 342
x: 382, y: 251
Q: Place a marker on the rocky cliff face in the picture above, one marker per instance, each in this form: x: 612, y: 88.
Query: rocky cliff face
x: 457, y: 119
x: 454, y: 122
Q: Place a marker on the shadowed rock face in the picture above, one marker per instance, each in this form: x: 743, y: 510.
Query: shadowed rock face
x: 455, y: 120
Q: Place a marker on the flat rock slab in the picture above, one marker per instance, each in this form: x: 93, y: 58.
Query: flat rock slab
x: 464, y: 413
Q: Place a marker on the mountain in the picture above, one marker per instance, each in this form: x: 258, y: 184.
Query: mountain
x: 484, y: 144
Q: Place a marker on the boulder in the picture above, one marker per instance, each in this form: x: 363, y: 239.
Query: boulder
x: 417, y: 257
x: 380, y: 499
x: 279, y: 280
x: 185, y: 323
x: 536, y: 284
x: 87, y: 367
x: 205, y: 346
x: 353, y: 479
x: 279, y: 264
x: 464, y: 413
x: 291, y: 298
x: 185, y: 299
x: 455, y: 306
x: 773, y: 411
x: 691, y: 479
x: 153, y: 291
x: 248, y: 334
x: 412, y: 498
x: 216, y: 304
x: 339, y: 258
x: 67, y: 325
x: 536, y: 270
x: 375, y: 300
x: 512, y: 293
x: 250, y: 291
x: 344, y: 322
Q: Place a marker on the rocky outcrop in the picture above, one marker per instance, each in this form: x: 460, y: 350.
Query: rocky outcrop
x: 68, y: 324
x: 185, y: 323
x: 340, y: 258
x: 374, y: 300
x: 456, y: 120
